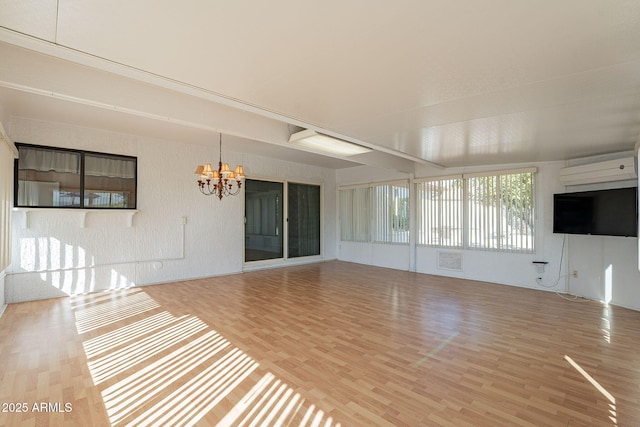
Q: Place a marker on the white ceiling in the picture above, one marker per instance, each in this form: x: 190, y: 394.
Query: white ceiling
x: 447, y: 82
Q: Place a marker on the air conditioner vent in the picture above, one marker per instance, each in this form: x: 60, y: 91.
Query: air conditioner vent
x: 450, y: 260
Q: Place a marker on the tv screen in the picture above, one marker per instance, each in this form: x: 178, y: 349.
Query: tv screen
x: 603, y: 212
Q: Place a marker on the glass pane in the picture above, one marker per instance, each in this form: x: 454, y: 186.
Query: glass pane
x: 391, y: 214
x: 263, y: 220
x: 110, y: 181
x: 48, y: 178
x: 483, y: 212
x: 516, y: 212
x: 355, y: 216
x: 303, y: 220
x: 440, y: 213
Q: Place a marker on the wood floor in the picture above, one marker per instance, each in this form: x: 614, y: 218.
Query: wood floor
x: 331, y: 344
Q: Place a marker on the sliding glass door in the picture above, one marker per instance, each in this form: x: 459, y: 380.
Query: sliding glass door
x: 269, y: 235
x: 303, y: 210
x: 263, y: 220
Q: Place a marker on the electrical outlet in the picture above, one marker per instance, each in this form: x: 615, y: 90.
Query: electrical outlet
x: 575, y: 273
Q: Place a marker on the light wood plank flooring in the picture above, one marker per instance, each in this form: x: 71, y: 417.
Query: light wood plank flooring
x: 330, y: 344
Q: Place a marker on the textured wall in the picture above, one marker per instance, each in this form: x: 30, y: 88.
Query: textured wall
x: 177, y: 233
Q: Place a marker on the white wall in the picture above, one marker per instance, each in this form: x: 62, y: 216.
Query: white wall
x: 497, y: 267
x: 607, y: 266
x: 6, y: 167
x: 56, y: 253
x: 60, y: 254
x: 394, y: 256
x: 513, y: 268
x: 607, y: 269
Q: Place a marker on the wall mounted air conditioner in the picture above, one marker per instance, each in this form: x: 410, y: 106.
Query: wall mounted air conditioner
x: 607, y: 171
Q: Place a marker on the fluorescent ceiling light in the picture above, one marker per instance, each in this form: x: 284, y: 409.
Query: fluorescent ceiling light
x: 319, y: 142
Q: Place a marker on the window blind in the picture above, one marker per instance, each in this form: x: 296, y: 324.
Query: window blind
x: 391, y: 213
x: 440, y: 212
x: 354, y: 214
x: 488, y: 210
x: 375, y: 213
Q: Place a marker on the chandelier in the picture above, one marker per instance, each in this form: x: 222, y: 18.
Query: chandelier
x: 221, y: 182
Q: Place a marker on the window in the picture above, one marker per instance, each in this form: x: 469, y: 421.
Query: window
x: 390, y: 213
x: 354, y: 215
x: 54, y: 177
x: 491, y: 211
x: 440, y: 206
x: 376, y: 213
x: 501, y: 212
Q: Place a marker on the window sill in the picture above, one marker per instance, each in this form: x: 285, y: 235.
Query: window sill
x: 128, y: 214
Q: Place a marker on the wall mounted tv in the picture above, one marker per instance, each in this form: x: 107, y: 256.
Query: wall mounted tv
x: 603, y: 212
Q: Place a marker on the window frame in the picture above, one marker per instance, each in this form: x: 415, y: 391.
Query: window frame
x: 468, y: 221
x: 250, y: 264
x: 378, y: 223
x: 358, y: 231
x: 289, y: 221
x: 385, y: 229
x: 81, y: 154
x: 438, y: 213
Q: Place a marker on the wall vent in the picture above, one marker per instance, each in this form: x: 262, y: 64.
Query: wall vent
x: 450, y: 260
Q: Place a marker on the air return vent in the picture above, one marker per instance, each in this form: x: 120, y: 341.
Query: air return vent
x: 450, y: 260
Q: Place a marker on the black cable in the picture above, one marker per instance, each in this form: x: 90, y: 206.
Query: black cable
x: 539, y: 280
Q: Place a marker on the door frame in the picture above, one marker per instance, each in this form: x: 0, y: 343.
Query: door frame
x: 285, y: 260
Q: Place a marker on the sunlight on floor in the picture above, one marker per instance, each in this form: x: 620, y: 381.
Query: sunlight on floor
x: 145, y: 384
x: 271, y: 402
x: 106, y: 342
x: 600, y: 388
x: 116, y: 362
x: 154, y: 368
x: 193, y: 400
x: 99, y: 316
x: 606, y: 323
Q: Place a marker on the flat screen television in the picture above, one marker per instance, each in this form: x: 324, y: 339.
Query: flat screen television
x: 603, y: 212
